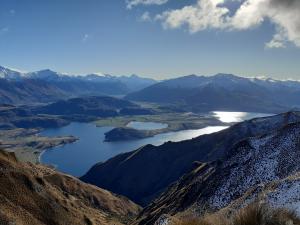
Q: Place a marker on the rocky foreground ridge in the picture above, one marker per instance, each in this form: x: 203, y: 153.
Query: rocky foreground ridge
x: 37, y: 195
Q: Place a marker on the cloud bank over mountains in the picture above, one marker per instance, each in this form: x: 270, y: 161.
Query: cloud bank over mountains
x: 215, y: 14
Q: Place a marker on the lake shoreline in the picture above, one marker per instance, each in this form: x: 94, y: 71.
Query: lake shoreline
x: 174, y: 122
x: 80, y: 156
x: 28, y: 144
x: 101, y: 151
x: 128, y: 134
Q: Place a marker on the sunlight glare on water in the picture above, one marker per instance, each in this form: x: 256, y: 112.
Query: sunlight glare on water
x: 230, y: 117
x: 235, y: 117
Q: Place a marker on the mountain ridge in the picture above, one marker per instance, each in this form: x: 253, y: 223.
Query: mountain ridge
x: 264, y: 168
x: 222, y: 92
x: 172, y: 160
x: 46, y: 86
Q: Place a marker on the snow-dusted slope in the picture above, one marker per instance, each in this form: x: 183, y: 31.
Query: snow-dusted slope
x: 264, y: 168
x: 259, y: 161
x: 172, y: 160
x: 10, y: 74
x: 47, y: 75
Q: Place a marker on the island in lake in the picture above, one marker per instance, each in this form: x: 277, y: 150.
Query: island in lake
x: 151, y: 125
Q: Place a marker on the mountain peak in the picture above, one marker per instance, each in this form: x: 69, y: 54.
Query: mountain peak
x: 10, y: 74
x: 46, y: 71
x: 45, y: 74
x: 226, y: 75
x: 191, y: 76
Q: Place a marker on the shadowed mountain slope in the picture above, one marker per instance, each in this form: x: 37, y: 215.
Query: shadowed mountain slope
x: 91, y: 106
x: 264, y: 168
x: 159, y: 166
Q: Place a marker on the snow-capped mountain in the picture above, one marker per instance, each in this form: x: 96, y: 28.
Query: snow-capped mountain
x: 47, y: 85
x: 225, y: 92
x: 47, y: 75
x: 10, y: 74
x: 133, y: 82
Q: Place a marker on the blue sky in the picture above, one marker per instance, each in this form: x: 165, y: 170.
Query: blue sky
x: 86, y: 36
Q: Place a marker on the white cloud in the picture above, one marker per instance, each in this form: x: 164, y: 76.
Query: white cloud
x: 213, y: 14
x: 203, y: 15
x: 285, y: 14
x: 132, y: 3
x: 278, y: 40
x: 146, y: 17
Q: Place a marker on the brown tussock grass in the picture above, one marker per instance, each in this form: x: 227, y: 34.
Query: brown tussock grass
x: 254, y: 214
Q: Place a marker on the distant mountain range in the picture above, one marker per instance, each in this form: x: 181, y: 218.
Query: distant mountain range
x: 222, y: 92
x: 47, y: 85
x: 189, y: 93
x: 165, y: 164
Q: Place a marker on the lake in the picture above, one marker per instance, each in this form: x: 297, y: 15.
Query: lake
x: 78, y: 157
x: 234, y: 117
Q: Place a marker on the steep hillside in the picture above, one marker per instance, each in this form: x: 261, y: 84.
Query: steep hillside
x: 93, y: 106
x: 87, y: 108
x: 35, y: 195
x: 23, y: 117
x: 222, y: 92
x: 29, y: 91
x: 164, y: 164
x: 264, y: 168
x: 62, y: 112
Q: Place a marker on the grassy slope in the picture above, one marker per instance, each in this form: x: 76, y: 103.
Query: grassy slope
x: 34, y: 195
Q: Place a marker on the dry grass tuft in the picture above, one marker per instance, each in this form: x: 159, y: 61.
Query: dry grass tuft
x: 254, y: 214
x: 213, y: 219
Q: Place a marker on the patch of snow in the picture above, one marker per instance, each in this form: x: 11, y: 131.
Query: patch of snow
x: 257, y: 165
x: 163, y: 220
x: 286, y: 195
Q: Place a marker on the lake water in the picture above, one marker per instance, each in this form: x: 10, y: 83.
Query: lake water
x: 146, y: 125
x: 233, y: 117
x: 78, y: 157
